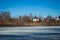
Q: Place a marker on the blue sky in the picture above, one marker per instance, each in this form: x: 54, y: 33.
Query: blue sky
x: 36, y: 7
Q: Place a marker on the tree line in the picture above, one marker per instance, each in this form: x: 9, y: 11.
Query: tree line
x: 5, y: 18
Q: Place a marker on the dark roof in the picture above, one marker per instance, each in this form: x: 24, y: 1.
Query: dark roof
x: 35, y: 17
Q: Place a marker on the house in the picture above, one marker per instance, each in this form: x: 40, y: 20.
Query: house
x: 56, y: 18
x: 42, y: 19
x: 35, y: 19
x: 46, y: 20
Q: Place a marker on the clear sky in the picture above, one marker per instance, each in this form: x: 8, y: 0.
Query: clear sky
x: 36, y: 7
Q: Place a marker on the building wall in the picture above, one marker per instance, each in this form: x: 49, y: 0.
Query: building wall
x: 35, y: 20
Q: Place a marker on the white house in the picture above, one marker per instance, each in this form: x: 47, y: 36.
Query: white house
x: 56, y: 18
x: 35, y: 19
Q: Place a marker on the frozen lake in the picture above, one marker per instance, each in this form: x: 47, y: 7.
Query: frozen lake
x: 30, y: 33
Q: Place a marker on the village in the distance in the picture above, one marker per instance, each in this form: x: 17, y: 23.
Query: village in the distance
x: 7, y: 20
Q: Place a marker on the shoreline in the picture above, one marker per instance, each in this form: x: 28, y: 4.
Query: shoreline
x: 30, y: 24
x: 25, y: 25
